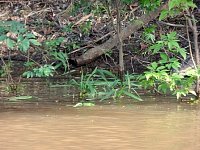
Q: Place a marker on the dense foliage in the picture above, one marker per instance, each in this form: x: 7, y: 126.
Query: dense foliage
x: 162, y: 73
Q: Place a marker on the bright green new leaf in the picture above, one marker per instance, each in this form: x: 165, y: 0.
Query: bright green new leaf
x: 172, y: 36
x: 148, y: 76
x: 174, y: 3
x: 163, y: 15
x: 164, y: 57
x: 191, y: 4
x: 154, y: 65
x: 160, y: 68
x: 182, y: 51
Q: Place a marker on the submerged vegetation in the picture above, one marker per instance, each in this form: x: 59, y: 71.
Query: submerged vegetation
x: 161, y: 47
x: 102, y: 84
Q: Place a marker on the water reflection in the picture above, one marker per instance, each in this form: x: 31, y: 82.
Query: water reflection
x: 101, y: 127
x: 50, y: 123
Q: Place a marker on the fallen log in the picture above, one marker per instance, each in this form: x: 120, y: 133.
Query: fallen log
x: 99, y: 50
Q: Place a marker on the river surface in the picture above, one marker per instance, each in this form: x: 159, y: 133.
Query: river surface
x: 51, y: 123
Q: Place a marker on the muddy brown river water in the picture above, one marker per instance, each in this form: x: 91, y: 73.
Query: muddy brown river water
x: 165, y: 125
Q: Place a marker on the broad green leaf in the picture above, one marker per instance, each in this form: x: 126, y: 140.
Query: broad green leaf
x: 30, y: 36
x: 47, y: 72
x: 3, y: 37
x: 35, y: 42
x: 20, y: 38
x: 160, y: 68
x: 28, y: 74
x: 25, y: 44
x: 173, y: 44
x: 163, y: 15
x: 175, y: 65
x: 164, y: 56
x: 172, y: 36
x: 163, y: 87
x: 156, y: 47
x: 173, y: 3
x: 190, y: 4
x: 10, y: 43
x: 182, y: 51
x: 154, y: 65
x: 148, y: 76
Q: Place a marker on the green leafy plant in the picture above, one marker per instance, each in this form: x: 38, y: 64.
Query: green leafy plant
x: 150, y: 5
x: 53, y: 44
x: 168, y: 43
x: 2, y: 71
x: 68, y: 28
x: 84, y: 6
x: 72, y: 45
x: 103, y: 84
x: 86, y: 27
x: 98, y: 8
x: 62, y: 59
x: 43, y: 71
x: 19, y: 37
x: 86, y: 85
x: 149, y: 34
x: 161, y: 76
x: 176, y: 7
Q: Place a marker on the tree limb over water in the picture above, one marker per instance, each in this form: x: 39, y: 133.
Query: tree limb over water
x: 99, y: 50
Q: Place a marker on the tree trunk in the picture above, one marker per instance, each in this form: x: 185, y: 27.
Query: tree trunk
x: 120, y: 46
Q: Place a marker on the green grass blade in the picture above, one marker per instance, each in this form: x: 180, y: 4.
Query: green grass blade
x: 132, y: 95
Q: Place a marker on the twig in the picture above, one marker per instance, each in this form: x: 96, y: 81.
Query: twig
x: 90, y: 46
x: 76, y: 50
x: 171, y: 24
x: 84, y: 18
x: 190, y: 48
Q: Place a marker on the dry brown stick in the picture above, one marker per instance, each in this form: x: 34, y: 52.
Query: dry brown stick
x: 171, y: 24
